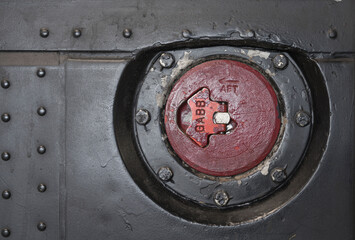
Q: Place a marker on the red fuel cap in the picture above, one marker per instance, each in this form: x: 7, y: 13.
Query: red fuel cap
x: 222, y: 118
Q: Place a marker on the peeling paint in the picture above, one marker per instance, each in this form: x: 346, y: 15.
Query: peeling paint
x: 164, y: 81
x: 265, y: 170
x: 182, y: 64
x: 257, y: 53
x: 269, y: 72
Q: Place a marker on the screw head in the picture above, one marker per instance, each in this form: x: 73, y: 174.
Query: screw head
x: 41, y: 149
x: 76, y: 33
x: 186, y: 33
x: 5, y: 232
x: 41, y: 72
x: 41, y: 111
x: 166, y: 60
x: 44, y: 32
x: 41, y: 226
x: 302, y: 119
x: 142, y: 116
x: 332, y: 33
x: 5, y: 84
x: 41, y: 187
x: 6, y: 194
x: 278, y: 175
x: 165, y: 173
x: 127, y: 33
x: 5, y: 117
x: 5, y: 156
x: 280, y: 61
x: 221, y: 198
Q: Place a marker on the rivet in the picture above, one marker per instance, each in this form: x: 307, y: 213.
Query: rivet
x: 186, y: 33
x: 280, y: 61
x: 6, y: 194
x: 41, y: 226
x: 142, y: 116
x: 5, y: 232
x: 76, y: 33
x: 5, y: 117
x: 41, y: 111
x: 5, y: 84
x: 41, y: 149
x: 44, y: 32
x: 41, y: 187
x: 302, y: 118
x: 278, y: 175
x: 5, y: 156
x: 250, y: 33
x: 166, y: 60
x: 127, y: 33
x: 41, y: 72
x: 165, y: 173
x: 332, y: 33
x: 221, y: 198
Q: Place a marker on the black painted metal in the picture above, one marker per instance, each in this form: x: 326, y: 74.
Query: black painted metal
x: 87, y: 165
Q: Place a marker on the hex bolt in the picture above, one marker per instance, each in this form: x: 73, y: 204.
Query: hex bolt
x: 5, y: 117
x: 5, y: 232
x: 166, y: 60
x: 186, y: 33
x: 6, y: 194
x: 142, y: 116
x: 41, y: 111
x: 41, y: 226
x: 5, y: 156
x: 332, y: 33
x: 165, y: 174
x: 41, y: 149
x: 221, y: 198
x: 76, y: 33
x: 278, y: 175
x: 280, y: 61
x: 41, y: 72
x: 5, y: 84
x: 127, y: 33
x: 302, y: 118
x: 41, y: 187
x: 44, y: 32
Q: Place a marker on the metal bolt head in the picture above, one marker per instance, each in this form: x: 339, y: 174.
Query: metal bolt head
x: 41, y: 226
x: 5, y: 84
x: 6, y: 194
x: 41, y: 111
x: 127, y: 33
x: 5, y: 117
x: 41, y: 149
x: 280, y: 61
x: 41, y: 187
x: 44, y: 32
x: 41, y: 72
x: 5, y: 156
x: 166, y: 60
x: 142, y: 116
x: 5, y: 232
x: 302, y: 119
x: 250, y: 33
x: 186, y: 33
x: 221, y: 198
x: 76, y: 33
x: 278, y: 175
x: 165, y: 173
x: 332, y: 33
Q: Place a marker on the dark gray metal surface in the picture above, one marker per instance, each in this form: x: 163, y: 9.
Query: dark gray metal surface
x: 90, y: 194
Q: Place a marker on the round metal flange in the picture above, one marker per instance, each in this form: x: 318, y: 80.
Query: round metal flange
x: 243, y: 185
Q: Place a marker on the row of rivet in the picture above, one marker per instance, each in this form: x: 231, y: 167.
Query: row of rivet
x: 5, y: 117
x: 44, y: 32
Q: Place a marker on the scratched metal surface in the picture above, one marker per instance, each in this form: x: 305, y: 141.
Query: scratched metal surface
x: 90, y: 194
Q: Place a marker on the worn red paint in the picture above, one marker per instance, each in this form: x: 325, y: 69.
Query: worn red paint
x: 252, y: 106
